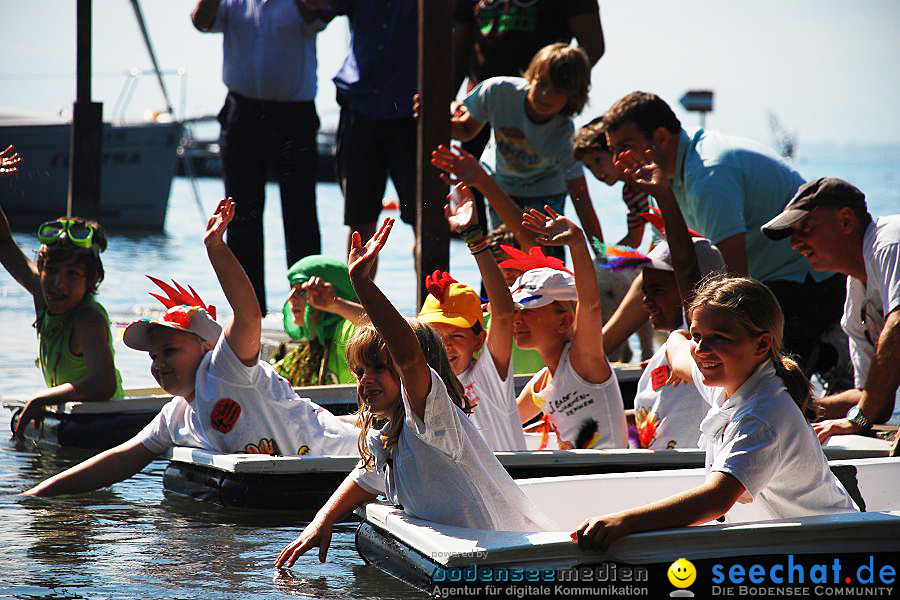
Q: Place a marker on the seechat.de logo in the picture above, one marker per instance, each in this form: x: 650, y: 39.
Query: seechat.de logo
x: 682, y: 574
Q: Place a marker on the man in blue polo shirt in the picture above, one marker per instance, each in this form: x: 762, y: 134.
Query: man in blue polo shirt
x: 727, y: 187
x: 269, y: 122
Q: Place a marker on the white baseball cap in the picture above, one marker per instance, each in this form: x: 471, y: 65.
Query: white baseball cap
x: 709, y: 259
x: 543, y: 286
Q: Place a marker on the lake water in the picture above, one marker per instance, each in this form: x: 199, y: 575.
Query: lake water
x: 129, y: 540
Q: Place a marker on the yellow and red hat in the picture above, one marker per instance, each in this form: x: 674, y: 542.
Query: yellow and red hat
x: 450, y: 302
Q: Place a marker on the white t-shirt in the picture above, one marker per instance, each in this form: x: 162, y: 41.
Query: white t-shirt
x: 585, y: 415
x: 442, y: 470
x: 760, y: 437
x: 495, y: 412
x: 244, y: 409
x: 667, y: 416
x: 868, y: 303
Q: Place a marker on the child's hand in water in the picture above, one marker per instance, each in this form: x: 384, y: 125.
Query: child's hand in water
x: 215, y: 227
x: 551, y: 229
x: 361, y: 259
x: 460, y: 208
x: 315, y: 534
x: 458, y: 163
x: 9, y: 161
x: 642, y: 170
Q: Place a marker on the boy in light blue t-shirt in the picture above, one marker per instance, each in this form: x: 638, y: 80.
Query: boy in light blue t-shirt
x: 530, y: 150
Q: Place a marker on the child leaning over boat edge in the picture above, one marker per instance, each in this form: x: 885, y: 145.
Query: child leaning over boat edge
x: 426, y: 443
x: 224, y: 398
x: 74, y: 338
x: 759, y: 446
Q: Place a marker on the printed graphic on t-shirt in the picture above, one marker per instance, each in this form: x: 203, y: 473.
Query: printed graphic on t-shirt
x: 515, y: 149
x: 225, y: 415
x: 499, y: 17
x: 647, y: 423
x: 469, y: 390
x: 264, y: 446
x: 659, y: 376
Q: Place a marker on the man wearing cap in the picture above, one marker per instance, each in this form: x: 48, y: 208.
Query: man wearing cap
x: 829, y: 224
x: 727, y: 187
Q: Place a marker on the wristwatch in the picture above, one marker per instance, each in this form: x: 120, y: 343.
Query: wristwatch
x: 855, y: 416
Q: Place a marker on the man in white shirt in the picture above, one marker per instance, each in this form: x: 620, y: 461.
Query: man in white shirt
x: 829, y: 224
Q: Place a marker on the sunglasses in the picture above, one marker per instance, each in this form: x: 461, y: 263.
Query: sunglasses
x: 77, y: 233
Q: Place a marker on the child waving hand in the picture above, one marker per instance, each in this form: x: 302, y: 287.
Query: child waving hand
x: 416, y: 439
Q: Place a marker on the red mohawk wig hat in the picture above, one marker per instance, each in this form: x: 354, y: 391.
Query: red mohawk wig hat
x: 186, y: 312
x: 533, y: 259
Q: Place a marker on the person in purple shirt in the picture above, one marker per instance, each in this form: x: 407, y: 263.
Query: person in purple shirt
x: 269, y: 122
x: 375, y: 85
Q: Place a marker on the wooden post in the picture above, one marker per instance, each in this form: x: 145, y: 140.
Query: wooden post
x: 86, y: 146
x: 433, y: 239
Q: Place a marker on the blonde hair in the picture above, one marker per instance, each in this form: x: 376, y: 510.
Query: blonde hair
x: 567, y: 69
x: 368, y: 348
x: 756, y: 309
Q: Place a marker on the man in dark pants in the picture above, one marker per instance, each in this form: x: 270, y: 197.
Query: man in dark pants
x: 269, y: 122
x: 375, y: 87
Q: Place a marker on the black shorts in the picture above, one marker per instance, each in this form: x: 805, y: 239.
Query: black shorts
x: 368, y: 150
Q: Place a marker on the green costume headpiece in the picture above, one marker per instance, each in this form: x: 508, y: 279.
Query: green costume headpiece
x: 334, y: 272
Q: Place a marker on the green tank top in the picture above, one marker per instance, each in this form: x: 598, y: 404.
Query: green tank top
x: 55, y: 357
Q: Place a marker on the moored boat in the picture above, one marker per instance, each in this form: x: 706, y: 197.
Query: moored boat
x: 427, y: 554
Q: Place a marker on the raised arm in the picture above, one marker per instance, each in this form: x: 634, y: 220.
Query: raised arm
x: 244, y: 328
x: 465, y: 167
x: 587, y: 356
x: 584, y: 208
x: 106, y: 468
x: 645, y: 174
x: 463, y: 219
x: 11, y: 256
x: 405, y: 351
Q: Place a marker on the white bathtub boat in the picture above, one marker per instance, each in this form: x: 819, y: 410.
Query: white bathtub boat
x: 426, y: 554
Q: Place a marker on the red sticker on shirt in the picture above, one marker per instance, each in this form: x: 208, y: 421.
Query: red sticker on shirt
x: 659, y: 376
x: 225, y: 414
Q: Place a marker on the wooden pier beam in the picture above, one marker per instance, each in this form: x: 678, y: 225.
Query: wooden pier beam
x: 433, y: 239
x: 86, y: 146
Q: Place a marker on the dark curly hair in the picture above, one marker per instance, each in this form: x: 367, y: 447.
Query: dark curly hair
x: 63, y: 251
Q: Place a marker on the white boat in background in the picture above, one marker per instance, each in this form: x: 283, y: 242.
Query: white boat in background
x: 422, y: 553
x: 137, y: 170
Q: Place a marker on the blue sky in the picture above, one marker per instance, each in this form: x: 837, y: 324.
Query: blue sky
x: 827, y: 68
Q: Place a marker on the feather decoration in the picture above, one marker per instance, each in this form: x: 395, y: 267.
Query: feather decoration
x: 178, y: 296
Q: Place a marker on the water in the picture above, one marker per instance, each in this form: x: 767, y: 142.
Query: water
x: 130, y: 541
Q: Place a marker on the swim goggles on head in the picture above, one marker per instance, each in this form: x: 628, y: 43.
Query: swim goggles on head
x: 78, y: 233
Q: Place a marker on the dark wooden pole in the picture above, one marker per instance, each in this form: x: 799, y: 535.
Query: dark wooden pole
x: 433, y: 240
x: 86, y: 147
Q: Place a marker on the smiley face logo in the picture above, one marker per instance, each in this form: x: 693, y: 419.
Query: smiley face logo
x: 682, y: 573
